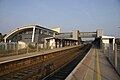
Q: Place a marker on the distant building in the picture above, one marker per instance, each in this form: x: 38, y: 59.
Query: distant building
x: 30, y: 33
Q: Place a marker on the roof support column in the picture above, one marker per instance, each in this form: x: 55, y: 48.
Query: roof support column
x: 5, y: 40
x: 33, y: 34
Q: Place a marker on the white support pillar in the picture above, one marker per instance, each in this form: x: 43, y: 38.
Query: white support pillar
x: 5, y: 40
x: 5, y: 43
x: 61, y: 43
x: 45, y: 43
x: 33, y: 34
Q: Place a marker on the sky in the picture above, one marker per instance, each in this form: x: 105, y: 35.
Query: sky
x: 69, y: 15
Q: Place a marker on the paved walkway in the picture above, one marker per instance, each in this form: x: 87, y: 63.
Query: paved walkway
x: 94, y: 66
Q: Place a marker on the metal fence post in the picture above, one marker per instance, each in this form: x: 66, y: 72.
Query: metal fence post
x: 109, y: 53
x: 5, y: 46
x: 27, y: 47
x: 103, y: 47
x: 17, y: 48
x: 115, y: 55
x: 37, y: 47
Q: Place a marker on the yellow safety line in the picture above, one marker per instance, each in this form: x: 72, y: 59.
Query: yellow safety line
x: 98, y: 66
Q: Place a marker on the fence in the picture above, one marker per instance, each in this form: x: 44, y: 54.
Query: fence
x: 14, y: 48
x: 113, y: 54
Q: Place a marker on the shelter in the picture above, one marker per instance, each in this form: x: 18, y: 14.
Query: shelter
x: 107, y: 41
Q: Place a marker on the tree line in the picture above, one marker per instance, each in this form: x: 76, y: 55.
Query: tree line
x: 1, y: 37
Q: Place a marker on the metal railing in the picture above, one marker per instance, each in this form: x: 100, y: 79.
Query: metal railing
x: 13, y: 48
x: 113, y: 54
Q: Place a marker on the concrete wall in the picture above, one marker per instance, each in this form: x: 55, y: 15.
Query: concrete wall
x: 21, y: 45
x: 75, y: 35
x: 57, y: 30
x: 99, y: 32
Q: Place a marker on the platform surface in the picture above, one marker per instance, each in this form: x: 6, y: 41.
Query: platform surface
x: 95, y: 66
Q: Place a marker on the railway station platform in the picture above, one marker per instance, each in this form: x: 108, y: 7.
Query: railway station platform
x: 94, y: 66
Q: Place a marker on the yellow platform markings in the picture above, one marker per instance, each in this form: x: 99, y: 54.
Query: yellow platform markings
x: 98, y: 66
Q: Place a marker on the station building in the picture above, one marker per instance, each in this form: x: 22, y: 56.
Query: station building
x: 30, y: 33
x: 63, y: 39
x: 47, y: 38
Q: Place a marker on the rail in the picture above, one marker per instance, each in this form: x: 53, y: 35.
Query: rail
x: 37, y: 65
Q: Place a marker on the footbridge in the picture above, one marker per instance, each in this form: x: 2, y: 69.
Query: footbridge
x: 77, y: 34
x: 88, y: 34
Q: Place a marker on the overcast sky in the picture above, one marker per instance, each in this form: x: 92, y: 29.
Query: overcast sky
x: 83, y: 15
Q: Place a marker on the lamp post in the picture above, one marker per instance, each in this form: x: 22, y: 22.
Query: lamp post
x: 119, y: 33
x: 118, y: 38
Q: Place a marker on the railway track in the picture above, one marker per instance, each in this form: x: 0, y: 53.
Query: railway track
x: 65, y: 71
x: 21, y: 74
x: 34, y: 72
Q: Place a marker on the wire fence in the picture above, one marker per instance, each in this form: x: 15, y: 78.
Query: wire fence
x: 14, y: 48
x: 113, y: 54
x: 118, y: 58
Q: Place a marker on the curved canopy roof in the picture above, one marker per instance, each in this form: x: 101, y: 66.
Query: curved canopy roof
x: 17, y: 30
